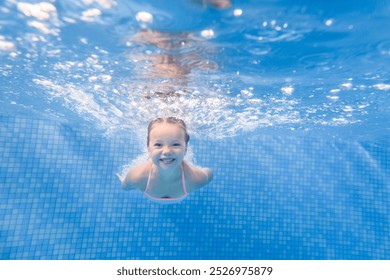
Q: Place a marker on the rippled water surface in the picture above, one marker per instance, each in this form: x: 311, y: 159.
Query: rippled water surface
x: 257, y: 65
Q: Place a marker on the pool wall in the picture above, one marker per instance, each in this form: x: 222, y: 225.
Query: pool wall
x: 273, y: 196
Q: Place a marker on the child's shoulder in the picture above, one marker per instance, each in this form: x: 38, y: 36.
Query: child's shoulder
x: 138, y: 175
x: 196, y: 176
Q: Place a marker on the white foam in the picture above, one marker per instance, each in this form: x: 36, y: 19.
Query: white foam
x: 90, y: 15
x: 287, y: 90
x: 5, y: 45
x: 105, y: 4
x: 41, y: 11
x: 382, y: 86
x: 43, y: 27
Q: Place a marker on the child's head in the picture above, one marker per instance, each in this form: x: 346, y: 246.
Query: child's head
x: 169, y: 120
x: 167, y: 142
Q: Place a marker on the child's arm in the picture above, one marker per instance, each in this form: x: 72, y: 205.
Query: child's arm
x: 198, y: 176
x: 208, y: 172
x: 135, y: 177
x: 125, y: 183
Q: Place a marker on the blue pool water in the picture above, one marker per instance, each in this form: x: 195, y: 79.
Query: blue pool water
x: 287, y: 102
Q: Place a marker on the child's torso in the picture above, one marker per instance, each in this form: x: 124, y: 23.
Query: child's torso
x: 157, y: 188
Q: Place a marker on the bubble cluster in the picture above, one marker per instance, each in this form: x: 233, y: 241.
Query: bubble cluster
x: 110, y: 64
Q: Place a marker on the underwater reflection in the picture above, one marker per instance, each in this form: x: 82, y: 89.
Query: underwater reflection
x: 220, y: 4
x: 169, y: 56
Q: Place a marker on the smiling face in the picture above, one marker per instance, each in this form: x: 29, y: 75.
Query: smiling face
x: 167, y: 145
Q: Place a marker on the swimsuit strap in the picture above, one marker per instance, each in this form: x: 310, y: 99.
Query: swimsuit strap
x: 183, y: 180
x: 148, y: 183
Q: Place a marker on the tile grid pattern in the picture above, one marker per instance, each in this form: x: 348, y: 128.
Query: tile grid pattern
x: 272, y: 198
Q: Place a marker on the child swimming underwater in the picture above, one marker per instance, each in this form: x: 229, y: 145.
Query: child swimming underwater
x: 166, y: 177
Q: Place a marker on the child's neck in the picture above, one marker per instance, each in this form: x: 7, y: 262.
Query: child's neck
x: 169, y: 174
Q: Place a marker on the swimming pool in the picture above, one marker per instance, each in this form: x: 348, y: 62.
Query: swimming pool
x: 287, y: 102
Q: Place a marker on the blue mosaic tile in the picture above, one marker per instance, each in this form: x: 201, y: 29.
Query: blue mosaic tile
x: 272, y: 197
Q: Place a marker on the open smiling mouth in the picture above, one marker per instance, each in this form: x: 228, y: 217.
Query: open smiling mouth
x: 167, y: 160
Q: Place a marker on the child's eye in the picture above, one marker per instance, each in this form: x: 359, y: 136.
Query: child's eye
x: 176, y: 145
x: 157, y: 145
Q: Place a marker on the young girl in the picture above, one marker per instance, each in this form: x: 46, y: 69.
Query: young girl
x: 166, y: 177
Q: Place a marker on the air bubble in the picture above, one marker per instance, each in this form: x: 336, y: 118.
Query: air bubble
x: 237, y: 12
x: 207, y: 33
x: 144, y: 17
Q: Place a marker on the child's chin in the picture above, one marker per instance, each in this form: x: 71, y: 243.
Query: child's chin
x: 168, y: 165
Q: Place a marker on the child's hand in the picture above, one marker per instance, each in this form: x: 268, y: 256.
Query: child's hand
x: 121, y: 179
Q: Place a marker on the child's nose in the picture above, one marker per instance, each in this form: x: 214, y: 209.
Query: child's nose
x: 167, y: 150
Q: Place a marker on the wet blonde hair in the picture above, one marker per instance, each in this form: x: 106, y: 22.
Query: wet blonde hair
x: 171, y: 120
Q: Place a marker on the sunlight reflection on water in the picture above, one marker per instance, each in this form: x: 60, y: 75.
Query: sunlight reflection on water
x: 107, y: 61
